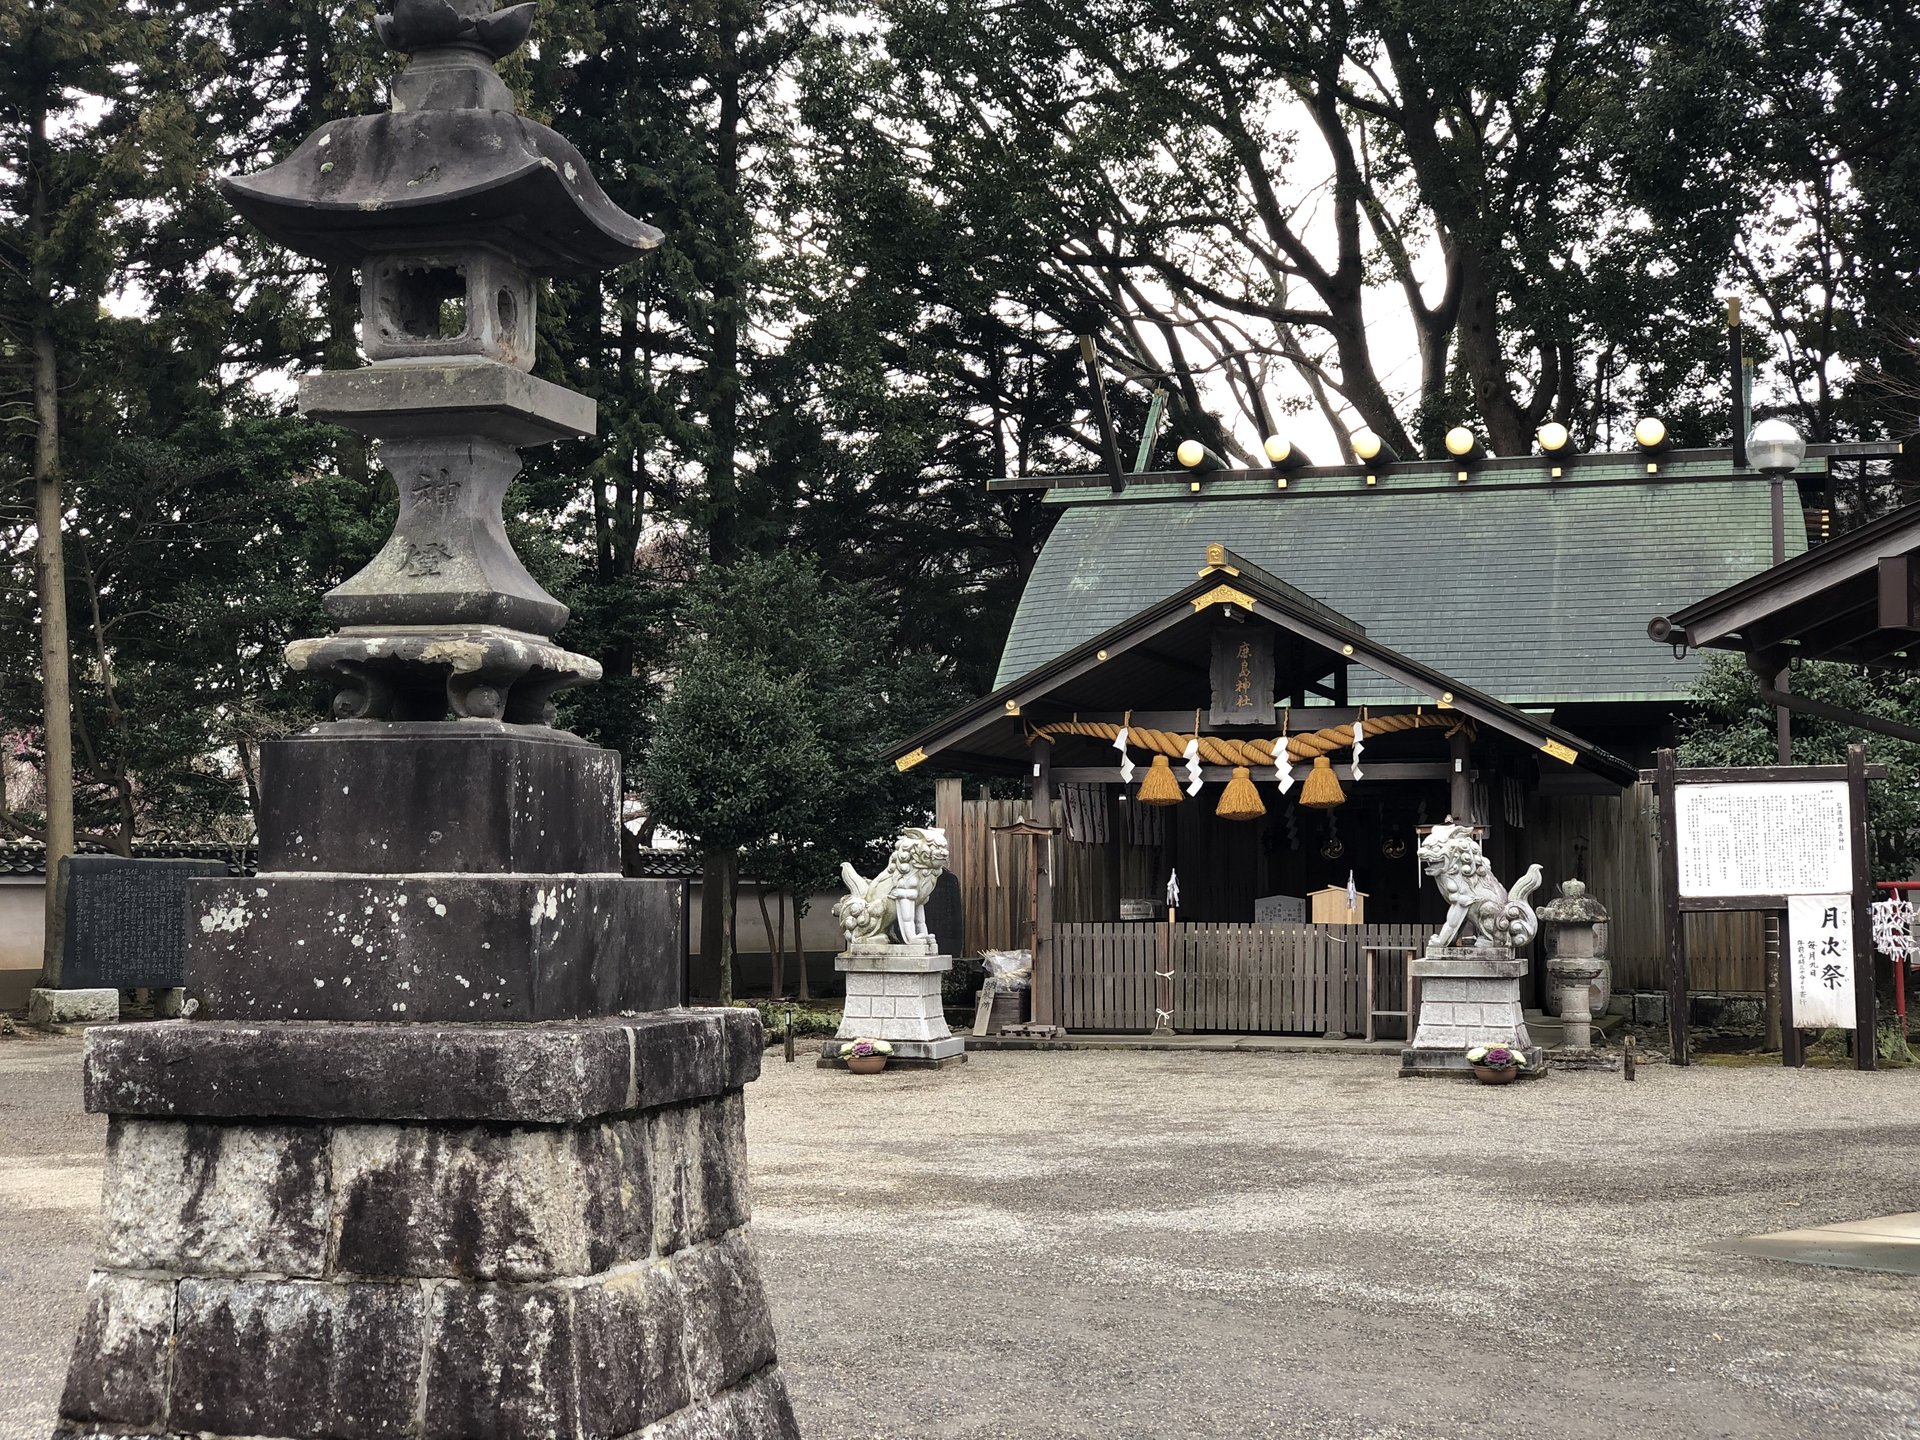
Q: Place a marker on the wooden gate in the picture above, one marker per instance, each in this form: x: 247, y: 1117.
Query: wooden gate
x: 1105, y: 975
x: 1241, y: 979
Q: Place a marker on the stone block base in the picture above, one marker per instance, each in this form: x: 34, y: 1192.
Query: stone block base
x: 316, y: 1279
x: 930, y: 1054
x: 1470, y: 996
x: 895, y: 995
x: 1451, y: 1063
x: 47, y: 1008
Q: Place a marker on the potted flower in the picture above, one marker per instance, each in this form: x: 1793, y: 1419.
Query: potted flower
x: 1495, y: 1064
x: 866, y: 1057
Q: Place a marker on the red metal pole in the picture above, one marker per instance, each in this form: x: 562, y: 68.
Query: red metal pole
x: 1900, y: 966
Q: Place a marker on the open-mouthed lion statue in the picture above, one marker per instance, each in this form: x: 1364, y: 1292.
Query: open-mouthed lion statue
x: 896, y: 897
x: 1452, y: 857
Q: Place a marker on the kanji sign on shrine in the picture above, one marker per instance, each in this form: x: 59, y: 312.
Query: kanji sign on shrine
x: 1821, y: 928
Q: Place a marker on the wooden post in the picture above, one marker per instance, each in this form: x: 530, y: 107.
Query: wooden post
x: 1666, y: 787
x: 1460, y: 793
x: 1163, y: 972
x: 950, y: 814
x: 1792, y: 1052
x: 1116, y: 870
x: 1045, y: 982
x: 1866, y: 1006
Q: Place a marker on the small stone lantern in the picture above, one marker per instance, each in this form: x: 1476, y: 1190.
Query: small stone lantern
x: 1574, y: 931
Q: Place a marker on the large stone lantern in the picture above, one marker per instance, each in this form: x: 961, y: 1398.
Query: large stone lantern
x: 438, y: 1152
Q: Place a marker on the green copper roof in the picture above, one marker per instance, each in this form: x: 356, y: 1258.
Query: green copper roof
x: 1538, y: 595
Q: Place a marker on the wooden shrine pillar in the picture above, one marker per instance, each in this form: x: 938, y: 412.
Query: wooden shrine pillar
x: 1460, y: 782
x: 1045, y: 983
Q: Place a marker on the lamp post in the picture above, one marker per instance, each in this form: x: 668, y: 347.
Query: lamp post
x: 1775, y: 449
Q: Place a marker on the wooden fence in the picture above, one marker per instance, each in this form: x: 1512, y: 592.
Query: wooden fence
x: 1611, y: 841
x: 1241, y: 979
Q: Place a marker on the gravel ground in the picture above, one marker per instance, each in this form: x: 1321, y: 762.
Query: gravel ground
x: 1152, y: 1245
x: 50, y: 1159
x: 1158, y: 1245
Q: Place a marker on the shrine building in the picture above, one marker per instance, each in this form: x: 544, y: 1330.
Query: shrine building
x: 1481, y: 624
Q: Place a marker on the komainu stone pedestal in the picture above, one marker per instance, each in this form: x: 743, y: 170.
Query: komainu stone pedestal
x: 1469, y: 995
x: 893, y: 994
x: 329, y: 1232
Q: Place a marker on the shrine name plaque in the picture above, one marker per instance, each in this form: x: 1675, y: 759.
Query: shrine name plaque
x: 1765, y: 839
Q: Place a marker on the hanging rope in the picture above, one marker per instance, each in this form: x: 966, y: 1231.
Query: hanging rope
x: 1220, y: 750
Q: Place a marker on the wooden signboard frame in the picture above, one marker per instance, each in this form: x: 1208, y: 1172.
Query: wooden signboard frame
x: 1667, y: 777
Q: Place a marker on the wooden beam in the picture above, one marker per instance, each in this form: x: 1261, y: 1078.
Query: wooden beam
x: 1833, y: 629
x: 1397, y: 770
x: 1747, y: 774
x: 1317, y: 717
x: 1899, y: 592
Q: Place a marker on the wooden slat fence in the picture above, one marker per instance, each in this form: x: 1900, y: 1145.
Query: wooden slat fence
x: 1109, y: 982
x: 1237, y: 979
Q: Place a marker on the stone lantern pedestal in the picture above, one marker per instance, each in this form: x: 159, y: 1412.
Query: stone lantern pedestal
x: 1469, y: 995
x: 894, y: 994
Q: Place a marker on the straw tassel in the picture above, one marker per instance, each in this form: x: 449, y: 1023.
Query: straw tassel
x: 1241, y: 800
x: 1159, y: 788
x: 1322, y: 789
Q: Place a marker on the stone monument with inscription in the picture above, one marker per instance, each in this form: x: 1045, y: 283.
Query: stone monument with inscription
x: 1469, y: 978
x: 892, y: 963
x: 123, y: 926
x: 437, y: 1151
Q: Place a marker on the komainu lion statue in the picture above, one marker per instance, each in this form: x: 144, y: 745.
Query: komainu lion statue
x: 1452, y: 857
x: 897, y: 897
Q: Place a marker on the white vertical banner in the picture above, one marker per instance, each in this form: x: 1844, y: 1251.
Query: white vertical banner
x: 1821, y: 928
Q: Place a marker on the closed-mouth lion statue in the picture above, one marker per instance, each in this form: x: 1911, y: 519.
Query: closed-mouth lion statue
x: 1452, y: 857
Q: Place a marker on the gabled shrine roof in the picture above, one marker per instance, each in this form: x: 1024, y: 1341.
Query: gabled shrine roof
x: 1532, y: 589
x: 1150, y: 656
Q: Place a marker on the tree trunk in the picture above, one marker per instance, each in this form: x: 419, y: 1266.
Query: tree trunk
x: 723, y: 366
x: 50, y: 570
x: 800, y: 949
x: 777, y: 981
x: 719, y: 874
x: 1484, y: 356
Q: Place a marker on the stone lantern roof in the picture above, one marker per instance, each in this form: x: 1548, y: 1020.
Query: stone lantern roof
x: 451, y: 164
x: 1572, y: 907
x: 374, y: 184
